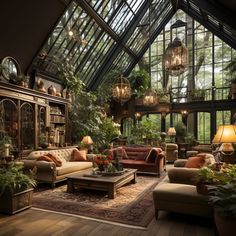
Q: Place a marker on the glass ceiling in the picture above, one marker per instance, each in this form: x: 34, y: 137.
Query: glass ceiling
x: 96, y: 36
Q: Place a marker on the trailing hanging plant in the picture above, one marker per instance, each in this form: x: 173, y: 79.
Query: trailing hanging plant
x: 139, y: 81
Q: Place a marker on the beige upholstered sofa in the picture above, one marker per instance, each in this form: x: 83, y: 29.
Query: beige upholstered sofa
x: 48, y: 172
x: 177, y: 193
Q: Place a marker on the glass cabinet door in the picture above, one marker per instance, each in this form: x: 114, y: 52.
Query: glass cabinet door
x: 42, y: 119
x: 27, y: 126
x: 9, y: 120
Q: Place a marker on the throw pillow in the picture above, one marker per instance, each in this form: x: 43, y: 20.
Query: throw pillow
x: 209, y: 159
x: 44, y: 158
x: 151, y: 157
x: 195, y: 162
x: 120, y: 153
x: 78, y: 155
x: 54, y: 159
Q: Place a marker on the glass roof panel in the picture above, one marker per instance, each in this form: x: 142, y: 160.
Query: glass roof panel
x: 78, y: 39
x: 155, y: 15
x: 122, y: 62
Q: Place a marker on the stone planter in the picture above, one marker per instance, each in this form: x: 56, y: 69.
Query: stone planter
x: 14, y: 203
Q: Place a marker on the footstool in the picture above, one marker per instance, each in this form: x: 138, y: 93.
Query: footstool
x: 180, y: 198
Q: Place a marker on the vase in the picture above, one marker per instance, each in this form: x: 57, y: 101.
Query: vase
x: 52, y: 90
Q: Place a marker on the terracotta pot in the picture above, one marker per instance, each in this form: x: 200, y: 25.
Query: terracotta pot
x: 225, y: 226
x: 202, y: 188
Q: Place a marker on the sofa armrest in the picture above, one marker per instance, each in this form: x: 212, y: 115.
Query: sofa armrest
x: 183, y: 175
x: 180, y: 162
x: 44, y: 169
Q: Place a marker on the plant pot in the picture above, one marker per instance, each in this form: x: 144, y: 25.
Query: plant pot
x: 202, y: 188
x: 14, y: 203
x: 225, y: 225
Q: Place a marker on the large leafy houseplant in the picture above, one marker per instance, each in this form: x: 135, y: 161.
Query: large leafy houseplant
x: 223, y: 198
x: 15, y: 188
x: 12, y: 179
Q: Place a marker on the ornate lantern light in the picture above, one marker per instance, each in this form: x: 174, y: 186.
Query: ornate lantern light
x: 121, y: 90
x: 175, y: 59
x: 150, y: 98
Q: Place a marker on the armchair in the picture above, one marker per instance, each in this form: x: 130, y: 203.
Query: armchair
x: 171, y: 152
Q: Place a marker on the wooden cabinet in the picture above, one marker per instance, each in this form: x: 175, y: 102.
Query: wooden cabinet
x: 26, y: 115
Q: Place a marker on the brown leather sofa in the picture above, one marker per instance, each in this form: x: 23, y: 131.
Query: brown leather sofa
x: 145, y: 159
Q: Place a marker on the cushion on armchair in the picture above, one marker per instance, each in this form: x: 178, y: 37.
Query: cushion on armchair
x: 195, y: 162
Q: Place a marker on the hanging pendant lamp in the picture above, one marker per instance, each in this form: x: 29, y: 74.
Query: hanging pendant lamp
x: 150, y: 98
x: 175, y: 58
x: 121, y: 90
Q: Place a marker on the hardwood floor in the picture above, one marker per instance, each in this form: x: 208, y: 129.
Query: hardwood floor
x: 33, y: 222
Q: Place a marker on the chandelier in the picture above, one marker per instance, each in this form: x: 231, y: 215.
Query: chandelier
x: 150, y: 98
x: 121, y: 90
x: 175, y: 59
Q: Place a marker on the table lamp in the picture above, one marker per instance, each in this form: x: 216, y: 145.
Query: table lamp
x: 226, y: 136
x: 87, y: 142
x: 171, y: 132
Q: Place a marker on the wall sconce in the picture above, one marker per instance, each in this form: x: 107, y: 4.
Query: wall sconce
x: 137, y: 115
x: 184, y: 113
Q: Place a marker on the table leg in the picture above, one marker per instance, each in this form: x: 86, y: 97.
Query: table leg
x: 70, y: 186
x: 111, y: 191
x: 133, y: 181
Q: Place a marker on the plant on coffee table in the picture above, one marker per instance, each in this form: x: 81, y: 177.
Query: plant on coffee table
x: 102, y: 161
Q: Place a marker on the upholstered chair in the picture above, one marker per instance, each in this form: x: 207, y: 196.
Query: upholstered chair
x: 171, y: 152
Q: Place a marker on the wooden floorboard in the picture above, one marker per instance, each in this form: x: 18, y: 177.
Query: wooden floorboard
x: 35, y: 222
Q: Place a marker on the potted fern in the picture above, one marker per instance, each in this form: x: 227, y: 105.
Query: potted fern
x: 16, y: 188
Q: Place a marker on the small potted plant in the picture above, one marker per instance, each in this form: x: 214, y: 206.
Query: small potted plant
x: 197, y: 94
x: 205, y: 176
x: 15, y: 188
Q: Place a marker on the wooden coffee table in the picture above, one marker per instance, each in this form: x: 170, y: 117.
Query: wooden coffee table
x: 103, y: 183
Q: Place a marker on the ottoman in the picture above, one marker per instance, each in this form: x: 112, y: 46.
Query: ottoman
x: 180, y: 198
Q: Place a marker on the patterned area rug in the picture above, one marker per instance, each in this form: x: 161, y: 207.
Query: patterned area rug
x: 133, y: 204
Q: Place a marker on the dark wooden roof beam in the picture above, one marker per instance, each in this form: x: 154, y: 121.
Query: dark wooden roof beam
x: 218, y: 11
